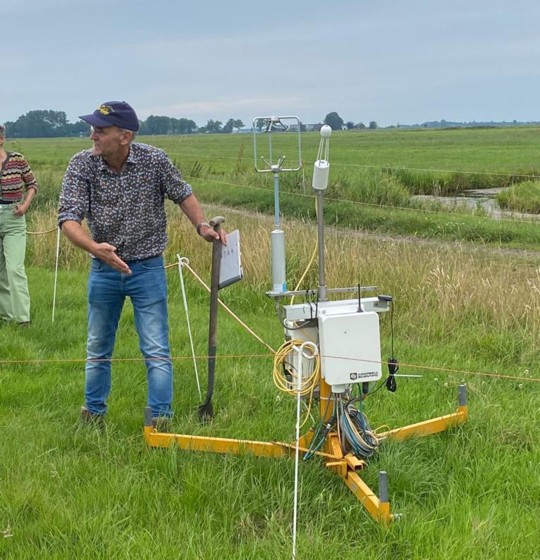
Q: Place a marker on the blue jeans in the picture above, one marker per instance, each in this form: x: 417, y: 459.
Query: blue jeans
x: 107, y: 290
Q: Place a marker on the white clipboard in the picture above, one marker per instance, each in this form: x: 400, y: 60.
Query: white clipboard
x: 231, y: 265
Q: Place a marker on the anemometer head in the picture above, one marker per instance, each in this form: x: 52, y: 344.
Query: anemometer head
x: 280, y: 154
x: 326, y: 131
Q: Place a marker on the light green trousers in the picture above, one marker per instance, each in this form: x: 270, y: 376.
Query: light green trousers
x: 14, y: 295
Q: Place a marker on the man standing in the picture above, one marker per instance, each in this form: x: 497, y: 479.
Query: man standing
x: 120, y: 187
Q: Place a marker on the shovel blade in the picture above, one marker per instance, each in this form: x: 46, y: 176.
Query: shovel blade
x: 206, y: 412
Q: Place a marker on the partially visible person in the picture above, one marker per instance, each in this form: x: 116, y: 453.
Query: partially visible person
x: 17, y: 189
x: 120, y: 187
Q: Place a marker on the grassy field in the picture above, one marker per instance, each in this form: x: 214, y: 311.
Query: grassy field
x: 466, y: 311
x: 375, y: 177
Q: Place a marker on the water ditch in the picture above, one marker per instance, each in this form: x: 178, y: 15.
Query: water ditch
x: 478, y: 199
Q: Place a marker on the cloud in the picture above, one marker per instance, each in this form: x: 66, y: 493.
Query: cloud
x: 382, y: 61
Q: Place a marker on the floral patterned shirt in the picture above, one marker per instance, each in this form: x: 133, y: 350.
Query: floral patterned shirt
x: 125, y: 209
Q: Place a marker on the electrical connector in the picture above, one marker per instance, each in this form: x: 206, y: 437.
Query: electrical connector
x: 393, y: 367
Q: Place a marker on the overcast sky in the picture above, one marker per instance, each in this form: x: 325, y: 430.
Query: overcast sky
x: 391, y: 61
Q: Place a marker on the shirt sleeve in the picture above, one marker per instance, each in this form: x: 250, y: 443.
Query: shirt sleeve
x: 74, y: 197
x: 172, y: 184
x: 28, y: 177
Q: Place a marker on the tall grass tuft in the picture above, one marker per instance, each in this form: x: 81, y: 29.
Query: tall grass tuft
x: 524, y: 197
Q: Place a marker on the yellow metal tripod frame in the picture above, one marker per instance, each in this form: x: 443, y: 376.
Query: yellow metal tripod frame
x: 346, y: 465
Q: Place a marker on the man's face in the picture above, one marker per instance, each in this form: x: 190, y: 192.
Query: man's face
x: 109, y: 141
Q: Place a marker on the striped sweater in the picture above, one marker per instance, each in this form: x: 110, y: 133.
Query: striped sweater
x: 16, y: 178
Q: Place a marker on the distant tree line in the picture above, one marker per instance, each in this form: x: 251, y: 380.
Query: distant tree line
x: 53, y: 124
x: 44, y: 124
x: 335, y: 122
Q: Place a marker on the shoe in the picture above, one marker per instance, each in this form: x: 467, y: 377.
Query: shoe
x: 24, y: 324
x: 161, y: 423
x: 90, y: 418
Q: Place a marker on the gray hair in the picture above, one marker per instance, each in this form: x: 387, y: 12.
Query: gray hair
x: 132, y: 132
x: 2, y: 130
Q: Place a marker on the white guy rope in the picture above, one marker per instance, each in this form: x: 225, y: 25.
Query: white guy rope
x: 181, y: 262
x: 310, y: 356
x: 56, y: 272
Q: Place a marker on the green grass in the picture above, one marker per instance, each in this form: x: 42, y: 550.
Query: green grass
x: 374, y: 175
x: 69, y: 492
x: 465, y: 311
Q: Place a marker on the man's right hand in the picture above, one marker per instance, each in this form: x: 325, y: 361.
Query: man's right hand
x: 107, y: 253
x: 103, y: 251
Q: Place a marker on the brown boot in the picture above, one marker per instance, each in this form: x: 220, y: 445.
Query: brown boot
x: 89, y: 418
x: 161, y: 424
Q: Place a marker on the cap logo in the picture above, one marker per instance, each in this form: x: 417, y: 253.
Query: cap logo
x: 105, y: 109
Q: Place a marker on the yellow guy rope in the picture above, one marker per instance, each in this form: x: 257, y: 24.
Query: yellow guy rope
x: 229, y: 311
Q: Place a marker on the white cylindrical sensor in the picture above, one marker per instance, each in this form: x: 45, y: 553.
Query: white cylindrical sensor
x: 278, y: 261
x: 321, y: 170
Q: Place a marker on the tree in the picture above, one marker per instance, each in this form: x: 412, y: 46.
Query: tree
x: 186, y: 126
x: 156, y: 125
x: 334, y: 121
x: 40, y: 124
x: 259, y: 124
x: 238, y: 124
x: 79, y: 128
x: 360, y: 125
x: 167, y: 125
x: 349, y: 125
x: 372, y: 125
x: 232, y: 124
x: 212, y: 126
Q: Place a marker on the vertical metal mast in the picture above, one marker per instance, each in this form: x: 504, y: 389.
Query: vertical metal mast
x: 321, y: 170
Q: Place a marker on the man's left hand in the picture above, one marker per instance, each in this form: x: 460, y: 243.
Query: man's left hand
x: 207, y: 232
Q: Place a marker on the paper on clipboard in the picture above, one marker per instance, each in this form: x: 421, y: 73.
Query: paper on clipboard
x: 230, y: 266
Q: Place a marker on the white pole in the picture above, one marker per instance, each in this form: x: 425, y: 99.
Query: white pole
x: 56, y: 272
x: 181, y: 261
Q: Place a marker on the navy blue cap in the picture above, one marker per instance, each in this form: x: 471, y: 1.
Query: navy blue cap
x: 113, y: 113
